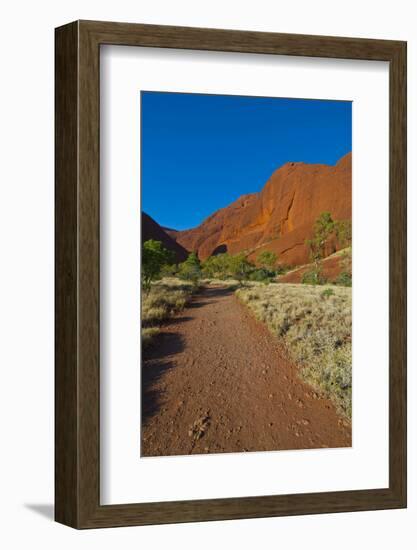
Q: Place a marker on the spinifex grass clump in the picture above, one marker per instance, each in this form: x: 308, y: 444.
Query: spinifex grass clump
x: 315, y: 325
x: 164, y: 298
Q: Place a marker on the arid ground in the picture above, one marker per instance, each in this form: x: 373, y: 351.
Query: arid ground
x: 216, y: 380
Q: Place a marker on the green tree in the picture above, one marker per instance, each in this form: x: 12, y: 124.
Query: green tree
x: 267, y: 259
x: 240, y: 267
x: 343, y: 230
x: 154, y: 257
x: 190, y: 270
x: 323, y: 228
x: 217, y: 266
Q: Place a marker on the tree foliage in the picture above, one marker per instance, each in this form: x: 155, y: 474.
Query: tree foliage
x: 261, y: 275
x: 325, y: 228
x: 169, y: 270
x: 154, y: 257
x: 224, y: 266
x: 216, y: 267
x: 314, y: 277
x: 190, y: 270
x: 343, y: 230
x: 240, y: 267
x: 267, y: 259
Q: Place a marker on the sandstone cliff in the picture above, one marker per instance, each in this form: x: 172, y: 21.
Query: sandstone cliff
x: 278, y: 218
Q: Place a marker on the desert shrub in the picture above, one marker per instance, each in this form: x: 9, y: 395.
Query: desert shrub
x: 315, y: 331
x: 344, y: 279
x: 281, y: 269
x: 313, y: 277
x: 261, y: 275
x: 327, y: 292
x: 154, y: 313
x: 165, y: 298
x: 148, y: 335
x: 169, y: 270
x: 267, y: 259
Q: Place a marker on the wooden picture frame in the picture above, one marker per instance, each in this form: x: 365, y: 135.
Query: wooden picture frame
x: 77, y: 374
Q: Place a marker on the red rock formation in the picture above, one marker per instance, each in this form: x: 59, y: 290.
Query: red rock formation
x: 331, y: 268
x: 278, y: 218
x: 151, y: 230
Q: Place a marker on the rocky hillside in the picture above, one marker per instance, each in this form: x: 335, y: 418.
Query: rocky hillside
x: 152, y: 230
x: 278, y: 218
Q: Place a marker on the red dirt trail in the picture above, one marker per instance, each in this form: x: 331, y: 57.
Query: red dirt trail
x: 217, y: 381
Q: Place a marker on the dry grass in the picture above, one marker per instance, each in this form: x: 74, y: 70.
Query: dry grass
x: 148, y: 334
x: 315, y: 324
x: 165, y: 298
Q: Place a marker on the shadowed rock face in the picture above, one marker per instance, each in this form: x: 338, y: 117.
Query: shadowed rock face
x: 278, y: 218
x: 152, y: 230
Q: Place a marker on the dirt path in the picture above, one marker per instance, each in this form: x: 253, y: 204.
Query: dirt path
x: 217, y: 381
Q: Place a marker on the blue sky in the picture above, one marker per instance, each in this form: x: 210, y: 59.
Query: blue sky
x: 201, y: 152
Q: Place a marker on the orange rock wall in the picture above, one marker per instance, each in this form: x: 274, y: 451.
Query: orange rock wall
x: 280, y: 217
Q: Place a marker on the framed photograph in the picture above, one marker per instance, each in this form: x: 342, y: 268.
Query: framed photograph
x: 230, y: 274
